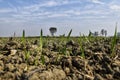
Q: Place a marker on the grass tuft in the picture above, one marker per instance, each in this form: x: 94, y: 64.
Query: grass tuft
x: 27, y: 55
x: 68, y: 37
x: 41, y: 40
x: 42, y: 59
x: 23, y: 37
x: 81, y: 47
x: 114, y: 41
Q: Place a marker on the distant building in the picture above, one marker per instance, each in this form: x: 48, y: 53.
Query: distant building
x: 118, y: 34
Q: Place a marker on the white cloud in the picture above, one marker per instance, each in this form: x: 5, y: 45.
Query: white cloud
x: 51, y: 12
x: 97, y: 1
x: 39, y: 10
x: 42, y: 13
x: 65, y: 2
x: 94, y: 12
x: 9, y: 20
x: 92, y: 17
x: 90, y: 6
x: 37, y: 7
x: 50, y: 3
x: 9, y: 9
x: 57, y: 15
x: 31, y: 8
x: 73, y: 12
x: 115, y: 7
x: 6, y: 10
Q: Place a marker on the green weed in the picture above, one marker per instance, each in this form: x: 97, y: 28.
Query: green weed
x: 23, y: 37
x: 64, y: 49
x: 81, y: 47
x: 68, y: 37
x: 41, y: 40
x: 42, y: 59
x: 27, y: 55
x: 41, y: 46
x: 114, y: 42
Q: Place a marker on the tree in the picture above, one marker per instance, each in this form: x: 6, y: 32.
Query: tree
x: 96, y: 33
x: 102, y: 32
x: 53, y: 30
x: 90, y: 33
x: 105, y: 33
x: 14, y: 34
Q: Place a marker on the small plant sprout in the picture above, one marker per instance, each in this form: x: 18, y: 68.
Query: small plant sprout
x: 23, y: 37
x: 81, y: 48
x: 41, y: 40
x: 41, y: 46
x: 64, y: 50
x: 68, y: 37
x: 57, y: 58
x: 42, y: 59
x: 86, y: 39
x: 27, y: 55
x: 113, y: 44
x: 89, y: 35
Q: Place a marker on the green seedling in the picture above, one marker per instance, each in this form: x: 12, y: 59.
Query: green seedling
x: 41, y: 40
x: 57, y: 58
x: 114, y: 41
x: 42, y: 59
x: 23, y: 37
x: 68, y: 37
x: 36, y: 61
x: 41, y: 46
x: 90, y: 36
x: 81, y: 47
x: 86, y: 39
x: 27, y: 55
x: 64, y: 50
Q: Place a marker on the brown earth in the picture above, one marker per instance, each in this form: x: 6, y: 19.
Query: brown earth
x: 24, y: 62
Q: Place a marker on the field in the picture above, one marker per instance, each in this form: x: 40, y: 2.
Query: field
x: 60, y: 58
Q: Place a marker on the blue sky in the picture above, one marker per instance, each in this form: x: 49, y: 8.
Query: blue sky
x: 79, y: 15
